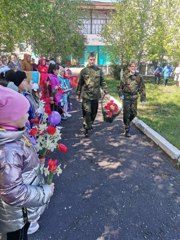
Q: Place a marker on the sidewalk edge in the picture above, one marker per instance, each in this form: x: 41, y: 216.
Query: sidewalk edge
x: 166, y: 146
x: 170, y: 149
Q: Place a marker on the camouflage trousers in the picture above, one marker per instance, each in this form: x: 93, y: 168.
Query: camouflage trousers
x: 89, y: 110
x: 129, y: 111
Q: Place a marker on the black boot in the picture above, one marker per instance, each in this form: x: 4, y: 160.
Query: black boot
x: 126, y: 131
x: 86, y: 133
x: 91, y: 127
x: 127, y: 134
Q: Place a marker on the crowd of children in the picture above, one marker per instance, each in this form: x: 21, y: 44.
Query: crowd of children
x: 54, y: 82
x: 23, y: 193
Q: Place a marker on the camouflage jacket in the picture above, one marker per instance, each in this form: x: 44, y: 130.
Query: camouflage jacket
x: 91, y: 80
x: 132, y: 85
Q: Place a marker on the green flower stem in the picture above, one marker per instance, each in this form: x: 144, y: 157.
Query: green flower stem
x: 42, y: 153
x: 50, y: 177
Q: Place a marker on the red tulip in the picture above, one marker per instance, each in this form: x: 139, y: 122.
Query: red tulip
x: 33, y: 132
x: 62, y: 148
x: 51, y: 130
x: 52, y: 165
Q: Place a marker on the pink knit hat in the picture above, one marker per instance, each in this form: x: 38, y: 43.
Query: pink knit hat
x: 13, y: 105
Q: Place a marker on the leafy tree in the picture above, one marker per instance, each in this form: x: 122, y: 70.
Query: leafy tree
x: 126, y: 33
x: 59, y: 35
x: 11, y: 25
x: 172, y: 42
x: 163, y: 37
x: 51, y: 27
x: 144, y: 30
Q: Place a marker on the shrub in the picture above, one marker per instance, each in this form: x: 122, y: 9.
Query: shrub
x: 116, y: 69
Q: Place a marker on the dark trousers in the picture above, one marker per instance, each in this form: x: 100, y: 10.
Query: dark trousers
x: 55, y: 107
x: 157, y: 79
x: 166, y: 81
x: 129, y: 112
x: 89, y: 110
x: 20, y: 234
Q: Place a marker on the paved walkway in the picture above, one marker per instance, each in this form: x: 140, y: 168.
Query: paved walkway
x: 112, y: 188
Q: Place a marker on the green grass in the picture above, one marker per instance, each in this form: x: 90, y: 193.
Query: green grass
x: 162, y: 110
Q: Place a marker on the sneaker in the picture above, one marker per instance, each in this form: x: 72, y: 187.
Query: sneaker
x: 34, y: 226
x: 68, y: 115
x: 127, y: 134
x: 59, y: 127
x: 63, y: 117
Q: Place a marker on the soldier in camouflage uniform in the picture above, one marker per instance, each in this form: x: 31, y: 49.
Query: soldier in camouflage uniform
x: 91, y: 80
x: 131, y: 85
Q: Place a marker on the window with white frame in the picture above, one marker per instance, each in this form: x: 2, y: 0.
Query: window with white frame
x: 94, y: 21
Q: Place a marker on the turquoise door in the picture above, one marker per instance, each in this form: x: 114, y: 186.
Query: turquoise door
x: 101, y: 55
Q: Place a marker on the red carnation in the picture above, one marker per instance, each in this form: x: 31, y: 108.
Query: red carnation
x: 111, y: 107
x: 109, y: 114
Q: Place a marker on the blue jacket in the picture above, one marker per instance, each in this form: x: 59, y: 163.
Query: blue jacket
x: 167, y: 71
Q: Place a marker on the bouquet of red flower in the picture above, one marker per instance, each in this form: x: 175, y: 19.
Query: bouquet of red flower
x: 110, y: 109
x: 73, y: 81
x: 51, y: 170
x: 47, y: 136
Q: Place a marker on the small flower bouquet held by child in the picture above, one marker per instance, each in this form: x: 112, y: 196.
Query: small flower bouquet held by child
x: 47, y: 139
x: 47, y: 136
x: 51, y: 170
x: 110, y: 109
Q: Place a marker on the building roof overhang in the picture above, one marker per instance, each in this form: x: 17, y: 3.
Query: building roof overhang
x: 98, y: 6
